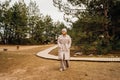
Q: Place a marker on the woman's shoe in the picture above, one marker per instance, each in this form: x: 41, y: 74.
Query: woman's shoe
x: 61, y: 69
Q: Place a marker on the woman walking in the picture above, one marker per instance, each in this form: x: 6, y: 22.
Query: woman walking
x: 64, y: 44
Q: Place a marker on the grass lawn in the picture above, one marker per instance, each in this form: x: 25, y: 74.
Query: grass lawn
x: 25, y: 65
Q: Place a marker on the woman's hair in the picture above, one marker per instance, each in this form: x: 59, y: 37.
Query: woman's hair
x: 64, y: 29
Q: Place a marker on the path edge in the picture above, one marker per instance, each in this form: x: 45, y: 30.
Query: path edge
x: 45, y: 55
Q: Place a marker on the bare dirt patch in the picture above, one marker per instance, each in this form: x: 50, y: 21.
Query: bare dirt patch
x: 25, y: 65
x: 14, y: 47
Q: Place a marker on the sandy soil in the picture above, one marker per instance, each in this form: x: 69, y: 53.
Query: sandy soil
x: 14, y: 48
x: 25, y: 65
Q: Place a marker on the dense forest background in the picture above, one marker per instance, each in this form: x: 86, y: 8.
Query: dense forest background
x: 97, y: 26
x: 22, y: 24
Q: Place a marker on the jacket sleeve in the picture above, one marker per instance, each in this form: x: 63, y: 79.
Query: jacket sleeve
x: 58, y: 42
x: 70, y: 42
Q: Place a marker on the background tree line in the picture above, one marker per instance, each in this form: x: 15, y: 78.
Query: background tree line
x: 97, y: 26
x: 22, y: 24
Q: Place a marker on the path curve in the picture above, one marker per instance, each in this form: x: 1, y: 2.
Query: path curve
x: 44, y: 54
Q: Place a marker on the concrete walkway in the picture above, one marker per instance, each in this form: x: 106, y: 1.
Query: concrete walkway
x: 44, y: 54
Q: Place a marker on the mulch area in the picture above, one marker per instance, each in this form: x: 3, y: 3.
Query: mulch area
x: 74, y: 53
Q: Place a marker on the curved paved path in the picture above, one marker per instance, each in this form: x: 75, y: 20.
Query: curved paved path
x: 44, y: 54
